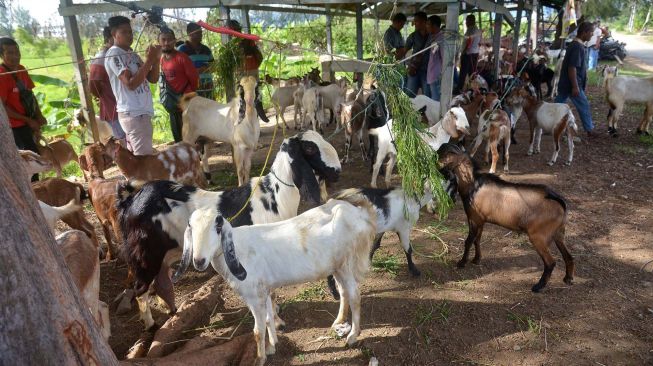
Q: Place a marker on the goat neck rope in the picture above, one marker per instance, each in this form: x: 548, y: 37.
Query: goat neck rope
x: 279, y: 179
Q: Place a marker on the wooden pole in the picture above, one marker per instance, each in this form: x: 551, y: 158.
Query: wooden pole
x: 359, y: 39
x: 449, y: 54
x: 79, y: 65
x: 328, y: 74
x: 515, y: 40
x: 533, y: 29
x: 225, y: 15
x: 44, y: 319
x: 245, y: 15
x: 496, y: 42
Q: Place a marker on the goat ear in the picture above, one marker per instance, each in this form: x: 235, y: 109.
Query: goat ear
x: 223, y: 228
x: 186, y: 255
x: 303, y: 175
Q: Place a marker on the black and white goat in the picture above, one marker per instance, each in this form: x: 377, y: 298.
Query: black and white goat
x: 153, y: 219
x: 334, y: 238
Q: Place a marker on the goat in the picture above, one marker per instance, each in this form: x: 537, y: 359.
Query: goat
x: 280, y: 82
x: 297, y: 95
x: 475, y: 82
x: 79, y: 122
x: 557, y: 72
x: 538, y: 74
x: 313, y: 109
x: 534, y: 209
x: 34, y: 163
x: 429, y: 108
x: 95, y: 161
x: 54, y: 213
x: 59, y: 152
x: 452, y: 125
x: 179, y: 162
x: 622, y: 89
x: 59, y: 192
x: 606, y: 72
x: 153, y: 219
x: 471, y: 103
x: 236, y: 123
x: 82, y: 261
x: 335, y: 238
x: 103, y: 196
x: 494, y: 126
x: 282, y: 98
x: 332, y: 96
x: 352, y: 118
x: 554, y: 118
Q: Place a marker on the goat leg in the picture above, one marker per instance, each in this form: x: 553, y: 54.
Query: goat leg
x: 404, y: 238
x: 541, y: 245
x: 477, y: 246
x: 164, y: 288
x: 474, y: 232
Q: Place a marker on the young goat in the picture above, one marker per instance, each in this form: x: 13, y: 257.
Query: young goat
x: 104, y: 197
x: 557, y: 72
x: 54, y: 213
x: 153, y: 219
x: 282, y: 98
x: 352, y: 117
x: 335, y: 238
x: 554, y: 118
x: 179, y: 162
x: 94, y: 161
x: 313, y: 109
x: 34, y: 163
x: 622, y: 89
x: 534, y: 209
x: 494, y: 127
x: 82, y: 261
x: 235, y: 123
x: 58, y: 152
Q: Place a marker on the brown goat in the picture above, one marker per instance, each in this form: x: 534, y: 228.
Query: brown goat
x: 103, y: 197
x: 494, y: 126
x: 34, y: 163
x: 95, y: 161
x: 58, y: 192
x: 352, y: 119
x: 472, y: 108
x: 59, y: 152
x: 534, y: 209
x: 179, y: 163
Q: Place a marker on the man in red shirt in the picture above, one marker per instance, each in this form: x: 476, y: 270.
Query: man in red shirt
x: 178, y: 76
x: 101, y: 87
x: 24, y: 114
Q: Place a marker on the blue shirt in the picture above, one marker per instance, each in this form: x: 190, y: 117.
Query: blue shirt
x: 201, y: 57
x: 575, y: 57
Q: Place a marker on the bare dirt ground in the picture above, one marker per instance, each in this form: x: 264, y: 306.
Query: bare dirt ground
x: 484, y: 314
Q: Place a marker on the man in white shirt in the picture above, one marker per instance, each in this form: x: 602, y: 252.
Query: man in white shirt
x: 593, y: 46
x: 469, y: 54
x: 129, y: 77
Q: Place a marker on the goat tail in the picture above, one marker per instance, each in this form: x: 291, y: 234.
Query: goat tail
x: 553, y: 195
x: 359, y: 261
x: 185, y: 100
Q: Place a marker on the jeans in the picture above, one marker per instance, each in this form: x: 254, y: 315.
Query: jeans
x: 116, y: 130
x: 24, y: 139
x: 175, y: 123
x: 434, y: 87
x: 416, y: 82
x: 582, y: 106
x: 593, y: 58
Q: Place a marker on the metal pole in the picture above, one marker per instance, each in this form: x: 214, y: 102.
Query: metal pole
x: 245, y: 15
x: 515, y: 40
x: 449, y: 54
x: 534, y: 18
x: 328, y: 74
x: 75, y: 44
x: 359, y: 39
x: 225, y: 15
x: 496, y: 43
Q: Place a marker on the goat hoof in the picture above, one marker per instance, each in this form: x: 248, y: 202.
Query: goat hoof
x: 568, y: 280
x: 461, y: 264
x: 270, y: 350
x: 550, y: 163
x: 529, y: 153
x: 352, y: 340
x: 476, y: 260
x: 537, y: 288
x: 638, y: 132
x: 415, y: 272
x: 568, y: 162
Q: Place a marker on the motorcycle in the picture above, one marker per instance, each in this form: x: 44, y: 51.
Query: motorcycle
x: 610, y: 47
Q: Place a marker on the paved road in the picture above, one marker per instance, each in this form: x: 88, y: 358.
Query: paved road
x: 637, y: 47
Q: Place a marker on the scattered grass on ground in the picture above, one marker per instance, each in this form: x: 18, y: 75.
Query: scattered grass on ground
x: 314, y: 291
x: 647, y: 141
x: 389, y: 264
x: 525, y: 322
x: 427, y: 313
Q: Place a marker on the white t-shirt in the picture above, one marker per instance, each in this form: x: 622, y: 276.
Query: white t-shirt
x: 475, y: 34
x: 134, y: 102
x: 595, y: 37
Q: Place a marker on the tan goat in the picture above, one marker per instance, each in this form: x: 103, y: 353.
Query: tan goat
x: 94, y: 161
x: 34, y: 163
x: 103, y: 196
x: 494, y: 126
x: 58, y: 152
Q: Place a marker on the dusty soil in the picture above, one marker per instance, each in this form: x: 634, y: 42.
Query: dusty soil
x: 484, y: 314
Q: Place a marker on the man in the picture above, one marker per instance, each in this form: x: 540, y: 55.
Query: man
x: 593, y: 46
x: 392, y: 38
x: 129, y: 77
x: 469, y: 54
x: 178, y: 76
x: 101, y: 87
x: 434, y: 68
x: 573, y: 76
x: 251, y: 62
x: 202, y: 58
x: 417, y: 41
x: 24, y: 114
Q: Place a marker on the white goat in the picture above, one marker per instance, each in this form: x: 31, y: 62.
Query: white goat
x: 52, y: 214
x: 453, y: 124
x: 554, y: 118
x: 34, y: 163
x: 623, y: 89
x: 236, y: 123
x: 557, y: 72
x: 332, y: 96
x: 297, y: 102
x: 335, y: 238
x: 313, y: 109
x: 159, y: 210
x: 80, y: 255
x: 428, y: 107
x: 282, y: 98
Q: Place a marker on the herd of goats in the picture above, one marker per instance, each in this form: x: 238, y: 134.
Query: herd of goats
x: 160, y: 209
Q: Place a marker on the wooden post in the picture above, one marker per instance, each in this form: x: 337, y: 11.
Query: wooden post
x: 515, y: 40
x: 496, y: 42
x: 533, y: 28
x: 359, y: 39
x: 81, y: 76
x: 245, y: 15
x: 449, y: 55
x: 225, y: 15
x: 328, y: 74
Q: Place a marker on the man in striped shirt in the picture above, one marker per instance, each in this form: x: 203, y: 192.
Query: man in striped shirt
x: 202, y: 58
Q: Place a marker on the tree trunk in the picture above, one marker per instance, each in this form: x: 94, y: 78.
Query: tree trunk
x: 44, y: 320
x: 633, y: 12
x: 648, y: 17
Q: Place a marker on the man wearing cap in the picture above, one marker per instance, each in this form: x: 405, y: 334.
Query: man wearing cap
x: 202, y: 58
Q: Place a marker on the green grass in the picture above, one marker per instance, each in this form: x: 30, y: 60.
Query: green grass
x: 389, y: 264
x: 314, y: 291
x: 525, y: 322
x: 647, y: 141
x: 627, y: 149
x: 427, y: 313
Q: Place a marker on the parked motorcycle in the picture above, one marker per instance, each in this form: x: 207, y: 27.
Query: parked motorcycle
x: 610, y: 48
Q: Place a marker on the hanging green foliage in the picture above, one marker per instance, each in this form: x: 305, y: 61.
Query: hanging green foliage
x: 416, y: 161
x: 227, y: 68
